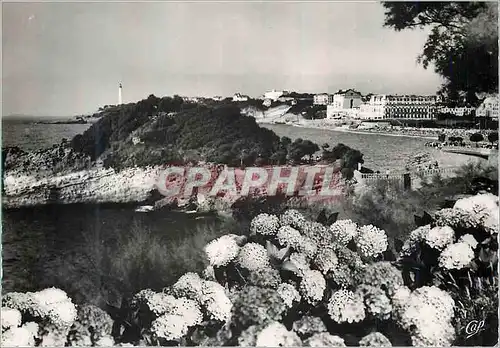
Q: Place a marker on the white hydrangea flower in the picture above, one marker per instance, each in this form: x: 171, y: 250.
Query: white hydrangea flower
x: 289, y: 236
x: 400, y: 299
x: 482, y: 205
x: 293, y: 218
x: 32, y: 327
x: 253, y: 256
x: 308, y: 325
x: 326, y: 260
x: 468, y: 239
x: 439, y: 237
x: 433, y: 334
x: 370, y: 241
x: 312, y: 286
x: 19, y: 336
x: 375, y: 339
x: 416, y: 236
x: 105, y: 341
x: 54, y: 304
x: 223, y: 250
x: 343, y: 231
x: 63, y: 313
x: 377, y: 303
x: 427, y: 314
x: 456, y: 256
x: 189, y: 285
x: 308, y: 247
x: 10, y: 318
x: 324, y: 339
x: 491, y: 222
x: 20, y: 301
x: 248, y: 336
x: 437, y: 298
x: 276, y: 335
x: 170, y: 327
x: 317, y: 232
x: 346, y: 306
x: 158, y: 303
x: 289, y: 294
x: 265, y: 224
x: 301, y: 262
x: 456, y: 218
x: 215, y: 301
x: 50, y: 296
x: 188, y: 309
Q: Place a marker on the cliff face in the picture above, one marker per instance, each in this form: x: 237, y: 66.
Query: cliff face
x: 97, y: 185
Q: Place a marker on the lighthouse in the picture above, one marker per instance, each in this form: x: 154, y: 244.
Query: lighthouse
x: 120, y: 94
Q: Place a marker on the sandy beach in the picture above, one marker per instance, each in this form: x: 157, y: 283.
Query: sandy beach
x: 336, y: 126
x: 345, y: 130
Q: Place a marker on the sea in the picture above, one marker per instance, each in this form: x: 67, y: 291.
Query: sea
x: 33, y: 238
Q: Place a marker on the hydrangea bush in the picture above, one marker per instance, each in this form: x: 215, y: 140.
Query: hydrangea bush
x: 295, y: 282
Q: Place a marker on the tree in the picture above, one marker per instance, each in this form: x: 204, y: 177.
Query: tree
x: 476, y: 137
x: 492, y: 137
x: 462, y: 44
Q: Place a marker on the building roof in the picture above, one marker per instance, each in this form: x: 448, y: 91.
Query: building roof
x: 340, y: 91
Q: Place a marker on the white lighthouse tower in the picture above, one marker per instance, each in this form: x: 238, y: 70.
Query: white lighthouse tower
x: 120, y: 94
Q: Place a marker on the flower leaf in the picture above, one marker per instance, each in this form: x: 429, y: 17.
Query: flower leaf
x: 272, y: 250
x: 284, y: 253
x: 289, y: 266
x: 322, y: 218
x: 332, y: 218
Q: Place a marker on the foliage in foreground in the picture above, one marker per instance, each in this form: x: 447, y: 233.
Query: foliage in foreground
x: 462, y: 34
x: 104, y: 269
x: 296, y: 282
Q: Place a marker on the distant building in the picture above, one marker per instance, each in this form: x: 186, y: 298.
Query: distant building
x: 284, y: 99
x: 321, y: 99
x: 488, y: 108
x: 399, y: 106
x: 273, y: 95
x: 192, y: 99
x: 240, y: 97
x: 458, y: 111
x: 217, y: 98
x: 344, y: 104
x: 267, y: 102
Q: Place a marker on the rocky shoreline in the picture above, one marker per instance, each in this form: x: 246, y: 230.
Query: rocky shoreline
x: 102, y: 186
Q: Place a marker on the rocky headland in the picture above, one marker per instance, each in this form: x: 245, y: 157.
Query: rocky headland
x: 120, y: 157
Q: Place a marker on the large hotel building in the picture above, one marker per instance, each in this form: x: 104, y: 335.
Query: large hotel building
x: 399, y: 106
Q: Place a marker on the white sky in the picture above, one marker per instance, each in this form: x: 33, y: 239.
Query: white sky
x: 68, y: 58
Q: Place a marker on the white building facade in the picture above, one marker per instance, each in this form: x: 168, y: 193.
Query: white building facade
x: 344, y: 104
x: 273, y: 95
x: 239, y: 97
x: 459, y: 111
x: 399, y: 107
x: 488, y: 108
x: 321, y: 99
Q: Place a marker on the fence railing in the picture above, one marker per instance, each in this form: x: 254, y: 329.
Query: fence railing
x: 400, y: 175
